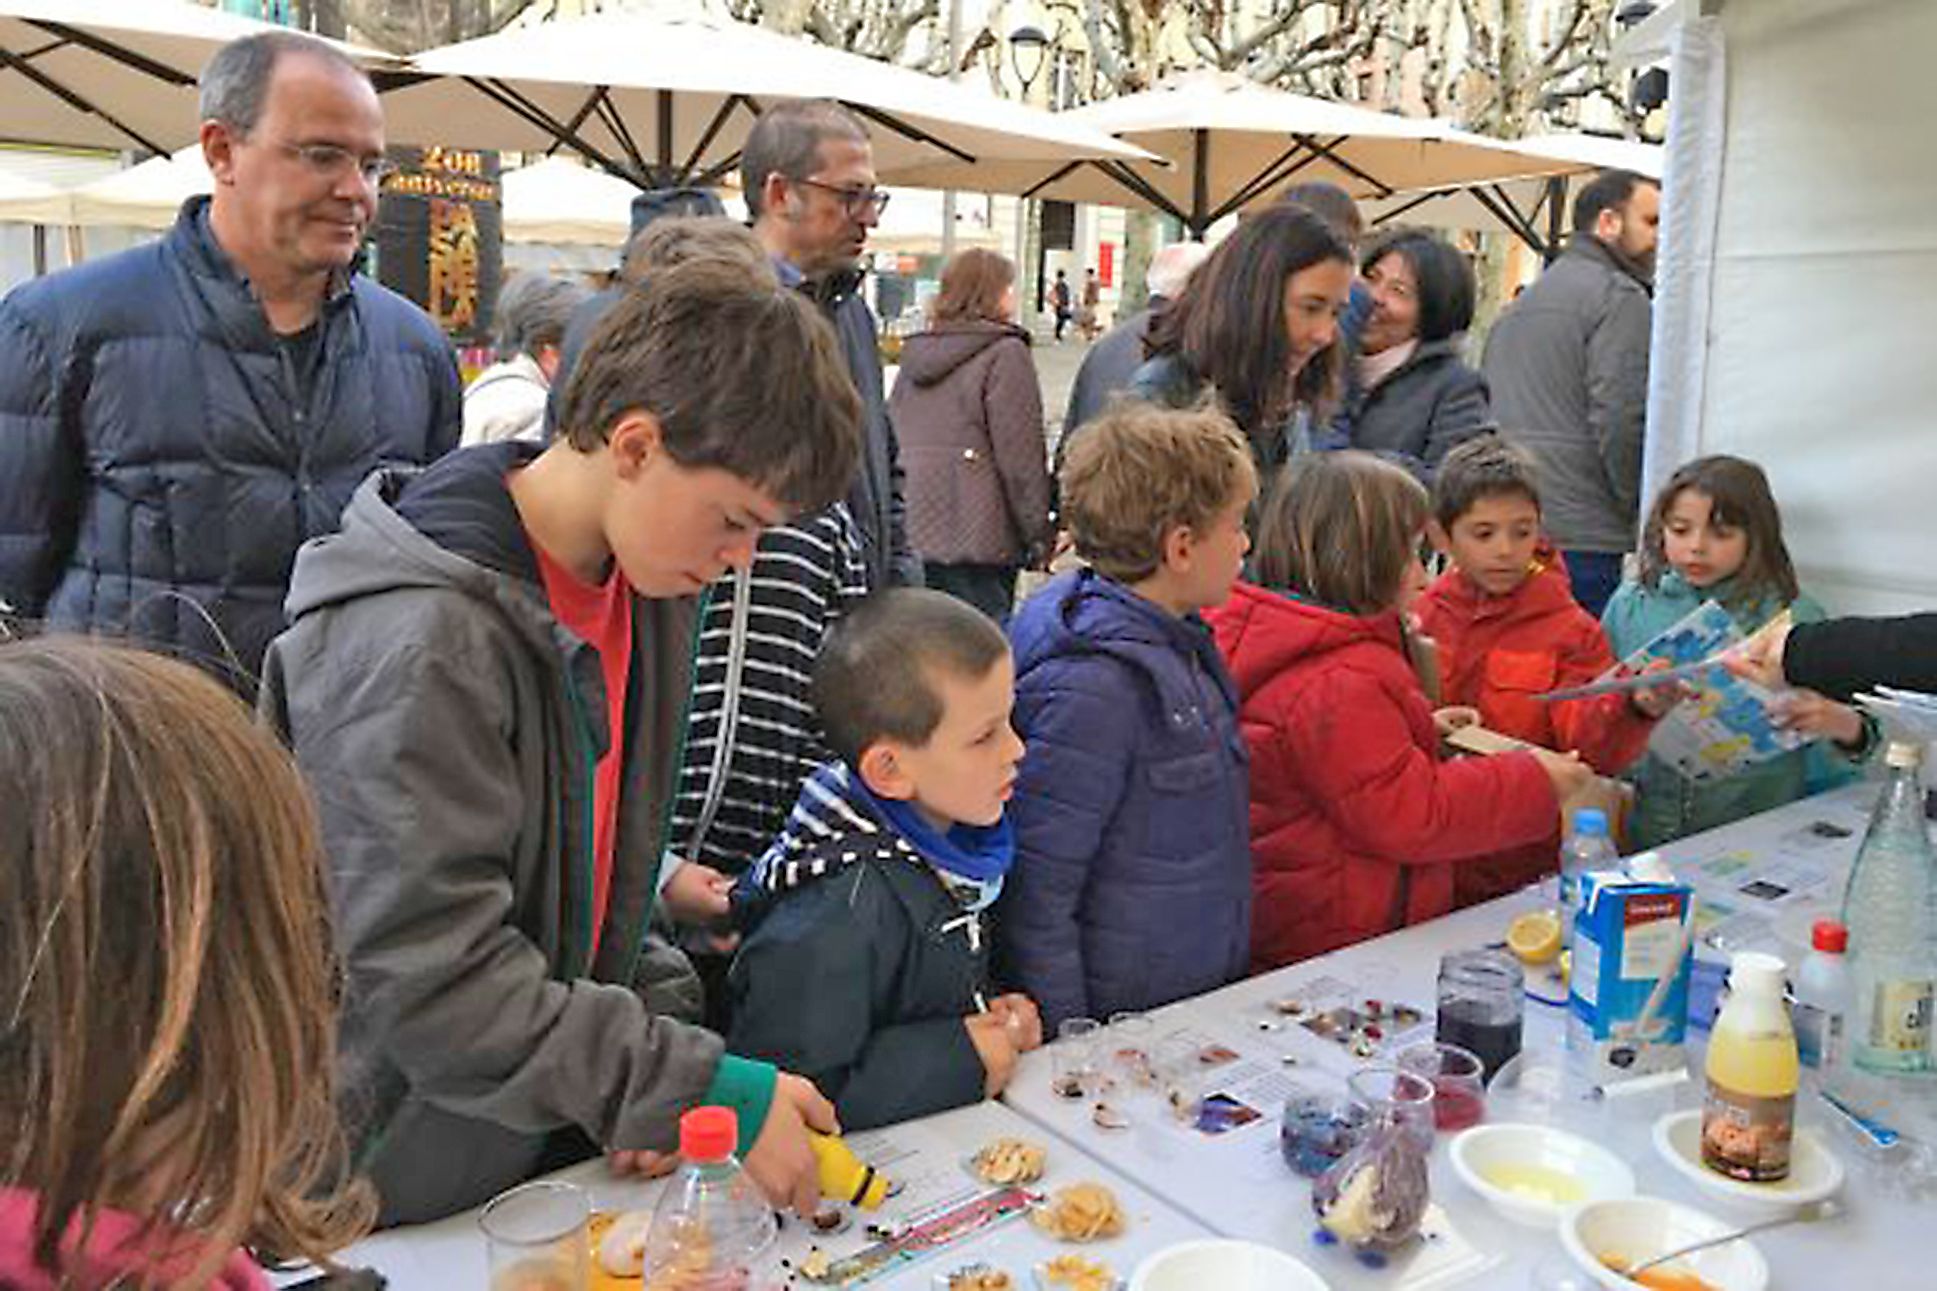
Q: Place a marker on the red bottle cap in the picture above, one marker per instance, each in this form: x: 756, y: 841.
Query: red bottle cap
x: 1829, y: 936
x: 708, y: 1134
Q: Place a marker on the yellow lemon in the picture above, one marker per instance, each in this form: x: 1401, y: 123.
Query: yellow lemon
x: 1535, y: 937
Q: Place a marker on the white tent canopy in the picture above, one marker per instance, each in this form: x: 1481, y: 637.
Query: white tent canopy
x: 1236, y: 143
x: 557, y: 200
x: 113, y: 73
x: 1534, y: 210
x: 147, y: 196
x: 25, y: 200
x: 1794, y: 304
x: 670, y: 98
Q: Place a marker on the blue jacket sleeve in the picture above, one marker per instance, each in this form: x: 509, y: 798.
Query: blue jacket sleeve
x: 42, y: 466
x: 1080, y: 738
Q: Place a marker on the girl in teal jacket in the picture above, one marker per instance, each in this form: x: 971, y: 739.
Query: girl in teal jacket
x: 1714, y: 534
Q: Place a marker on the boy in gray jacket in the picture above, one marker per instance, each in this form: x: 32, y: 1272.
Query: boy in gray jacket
x: 485, y: 680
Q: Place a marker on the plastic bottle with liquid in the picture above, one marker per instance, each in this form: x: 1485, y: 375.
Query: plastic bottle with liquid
x: 1890, y: 909
x: 1591, y: 848
x: 1749, y: 1113
x: 711, y: 1226
x: 1825, y: 996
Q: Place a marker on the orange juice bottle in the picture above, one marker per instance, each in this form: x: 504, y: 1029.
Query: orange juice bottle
x: 1749, y: 1114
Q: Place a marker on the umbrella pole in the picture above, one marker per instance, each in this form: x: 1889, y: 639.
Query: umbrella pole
x: 1200, y: 186
x: 666, y: 175
x: 1556, y: 200
x: 1503, y: 211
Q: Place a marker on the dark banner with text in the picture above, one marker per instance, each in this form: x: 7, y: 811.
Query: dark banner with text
x: 440, y: 235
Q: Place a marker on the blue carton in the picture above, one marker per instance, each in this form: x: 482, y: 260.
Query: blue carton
x: 1633, y: 952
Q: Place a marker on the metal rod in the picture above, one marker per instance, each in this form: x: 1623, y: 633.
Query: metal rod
x: 1200, y: 184
x: 1329, y: 152
x: 665, y: 136
x: 914, y: 132
x: 1054, y: 175
x: 108, y: 49
x: 712, y: 130
x: 77, y: 102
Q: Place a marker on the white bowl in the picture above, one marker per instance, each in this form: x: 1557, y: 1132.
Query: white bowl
x: 1481, y: 1151
x: 1638, y: 1228
x: 1815, y: 1173
x: 1226, y: 1265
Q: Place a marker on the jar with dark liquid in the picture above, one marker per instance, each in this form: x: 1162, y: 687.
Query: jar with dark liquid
x: 1481, y: 999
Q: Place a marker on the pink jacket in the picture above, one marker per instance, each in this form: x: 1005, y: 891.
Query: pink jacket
x: 116, y: 1249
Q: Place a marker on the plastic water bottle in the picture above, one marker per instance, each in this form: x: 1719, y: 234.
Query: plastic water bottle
x: 1825, y: 996
x: 711, y: 1225
x: 1890, y: 908
x: 1589, y: 849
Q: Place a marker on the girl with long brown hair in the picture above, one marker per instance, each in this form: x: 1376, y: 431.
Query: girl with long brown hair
x: 166, y: 983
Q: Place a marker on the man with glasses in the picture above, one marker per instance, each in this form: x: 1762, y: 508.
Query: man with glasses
x: 177, y: 419
x: 808, y: 174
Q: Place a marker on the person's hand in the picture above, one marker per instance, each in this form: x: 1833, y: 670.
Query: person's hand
x: 644, y: 1163
x: 997, y: 1049
x: 696, y: 894
x: 1817, y: 716
x: 1759, y: 659
x: 1450, y: 719
x: 781, y: 1162
x: 1019, y: 1015
x: 1565, y: 771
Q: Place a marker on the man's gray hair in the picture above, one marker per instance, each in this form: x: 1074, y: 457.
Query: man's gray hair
x: 533, y: 309
x: 1172, y: 267
x: 235, y: 84
x: 787, y: 139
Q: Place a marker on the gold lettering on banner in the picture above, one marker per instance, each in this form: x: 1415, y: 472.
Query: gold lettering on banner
x: 454, y: 265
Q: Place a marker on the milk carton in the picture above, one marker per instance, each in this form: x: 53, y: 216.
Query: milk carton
x: 1628, y: 992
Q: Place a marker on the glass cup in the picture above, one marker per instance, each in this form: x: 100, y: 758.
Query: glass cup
x: 1458, y: 1078
x: 1322, y: 1123
x: 1180, y: 1073
x: 1072, y: 1059
x: 1482, y: 999
x: 1392, y: 1092
x: 537, y: 1238
x: 1128, y: 1044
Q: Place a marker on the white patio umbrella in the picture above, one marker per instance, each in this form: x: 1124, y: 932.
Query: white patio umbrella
x: 669, y: 99
x: 145, y: 196
x: 1236, y: 143
x: 26, y: 200
x: 556, y: 200
x: 1534, y: 210
x: 113, y: 73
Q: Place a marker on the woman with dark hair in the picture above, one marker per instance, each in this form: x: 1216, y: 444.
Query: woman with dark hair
x: 967, y: 409
x: 1258, y: 328
x: 1415, y: 399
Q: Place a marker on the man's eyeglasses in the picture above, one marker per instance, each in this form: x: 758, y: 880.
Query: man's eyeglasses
x: 854, y: 201
x: 327, y: 161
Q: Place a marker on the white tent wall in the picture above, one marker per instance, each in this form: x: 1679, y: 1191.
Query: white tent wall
x: 1799, y: 281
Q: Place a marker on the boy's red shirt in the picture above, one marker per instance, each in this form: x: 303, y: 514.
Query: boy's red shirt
x: 1496, y: 653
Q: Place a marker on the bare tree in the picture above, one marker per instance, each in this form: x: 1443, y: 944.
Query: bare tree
x: 406, y: 26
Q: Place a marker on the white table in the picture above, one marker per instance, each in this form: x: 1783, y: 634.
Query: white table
x: 1237, y: 1185
x: 928, y: 1155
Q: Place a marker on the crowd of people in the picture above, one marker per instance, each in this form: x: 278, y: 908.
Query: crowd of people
x: 619, y: 761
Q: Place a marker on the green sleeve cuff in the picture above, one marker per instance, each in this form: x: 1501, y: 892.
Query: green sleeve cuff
x: 746, y: 1087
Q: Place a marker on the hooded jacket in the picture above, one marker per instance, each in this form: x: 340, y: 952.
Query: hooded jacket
x: 1667, y: 804
x: 1430, y: 405
x: 1356, y: 823
x: 160, y: 460
x: 860, y: 962
x: 1132, y: 884
x: 1496, y: 653
x: 450, y: 727
x: 968, y: 412
x: 1567, y: 366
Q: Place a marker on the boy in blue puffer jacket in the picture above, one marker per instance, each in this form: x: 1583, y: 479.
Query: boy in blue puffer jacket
x: 1132, y: 884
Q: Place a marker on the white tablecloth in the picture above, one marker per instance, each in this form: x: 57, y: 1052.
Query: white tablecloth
x: 1237, y: 1185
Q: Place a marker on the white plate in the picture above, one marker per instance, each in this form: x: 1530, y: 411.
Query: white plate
x: 1221, y: 1264
x: 1815, y: 1173
x: 1637, y: 1228
x: 1483, y: 1148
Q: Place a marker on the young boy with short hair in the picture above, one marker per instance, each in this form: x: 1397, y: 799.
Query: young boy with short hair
x: 865, y: 966
x: 1507, y: 628
x: 1132, y: 885
x: 485, y: 681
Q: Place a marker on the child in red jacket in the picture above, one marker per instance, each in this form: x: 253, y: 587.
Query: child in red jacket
x: 1357, y: 826
x: 1507, y: 628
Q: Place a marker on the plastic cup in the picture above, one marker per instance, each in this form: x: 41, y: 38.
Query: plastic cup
x: 1404, y: 1097
x: 536, y: 1237
x: 1459, y: 1082
x: 1072, y: 1059
x: 1128, y: 1043
x: 1322, y: 1123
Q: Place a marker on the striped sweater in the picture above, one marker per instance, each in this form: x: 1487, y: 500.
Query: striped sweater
x: 752, y: 737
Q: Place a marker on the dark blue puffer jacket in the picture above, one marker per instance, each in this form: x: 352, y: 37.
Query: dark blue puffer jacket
x: 157, y: 468
x: 1132, y: 880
